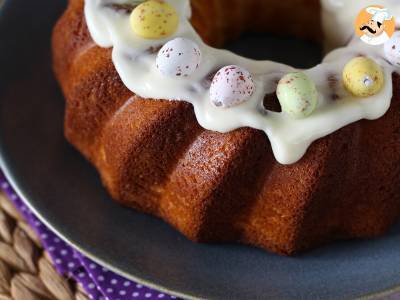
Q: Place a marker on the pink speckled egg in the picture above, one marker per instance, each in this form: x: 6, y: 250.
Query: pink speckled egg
x: 231, y: 86
x: 392, y: 49
x: 178, y: 57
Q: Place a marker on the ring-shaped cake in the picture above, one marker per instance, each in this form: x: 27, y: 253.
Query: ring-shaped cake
x: 193, y: 134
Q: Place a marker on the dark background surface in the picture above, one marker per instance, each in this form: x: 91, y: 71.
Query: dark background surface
x: 66, y: 192
x: 292, y: 51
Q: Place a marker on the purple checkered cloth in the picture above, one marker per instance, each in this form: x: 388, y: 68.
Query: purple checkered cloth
x: 98, y: 281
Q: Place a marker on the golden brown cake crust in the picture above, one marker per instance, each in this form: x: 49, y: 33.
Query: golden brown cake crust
x: 213, y: 187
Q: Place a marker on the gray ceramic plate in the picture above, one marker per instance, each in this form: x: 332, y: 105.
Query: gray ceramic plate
x: 66, y: 193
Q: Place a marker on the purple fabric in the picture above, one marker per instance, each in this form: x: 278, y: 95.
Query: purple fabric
x: 98, y: 282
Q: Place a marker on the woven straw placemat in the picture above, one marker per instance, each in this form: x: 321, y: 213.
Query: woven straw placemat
x: 26, y: 271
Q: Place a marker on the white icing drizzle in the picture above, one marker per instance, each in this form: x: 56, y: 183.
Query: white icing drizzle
x: 289, y: 137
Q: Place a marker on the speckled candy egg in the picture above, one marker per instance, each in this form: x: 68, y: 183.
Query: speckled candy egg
x: 231, y: 86
x: 392, y: 49
x: 179, y: 57
x: 297, y: 95
x: 154, y: 19
x: 363, y: 77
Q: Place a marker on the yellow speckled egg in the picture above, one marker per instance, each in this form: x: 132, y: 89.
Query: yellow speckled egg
x: 363, y: 77
x: 154, y: 19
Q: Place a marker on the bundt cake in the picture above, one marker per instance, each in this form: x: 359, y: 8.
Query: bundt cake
x: 258, y: 152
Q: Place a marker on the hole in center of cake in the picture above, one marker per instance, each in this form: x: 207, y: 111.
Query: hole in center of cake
x: 292, y: 51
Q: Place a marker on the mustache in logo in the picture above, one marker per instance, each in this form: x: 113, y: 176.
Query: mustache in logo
x: 368, y: 28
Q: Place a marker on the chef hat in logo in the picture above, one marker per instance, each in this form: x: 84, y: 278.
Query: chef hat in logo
x: 379, y: 14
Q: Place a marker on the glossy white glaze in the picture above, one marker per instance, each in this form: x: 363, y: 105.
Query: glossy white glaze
x: 289, y: 137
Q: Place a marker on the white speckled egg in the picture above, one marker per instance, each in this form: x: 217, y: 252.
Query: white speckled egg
x: 231, y: 86
x: 392, y: 49
x: 178, y: 57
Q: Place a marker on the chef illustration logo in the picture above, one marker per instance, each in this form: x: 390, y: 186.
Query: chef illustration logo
x: 375, y: 25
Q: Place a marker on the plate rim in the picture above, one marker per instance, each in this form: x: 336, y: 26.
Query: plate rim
x: 13, y: 182
x: 6, y: 169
